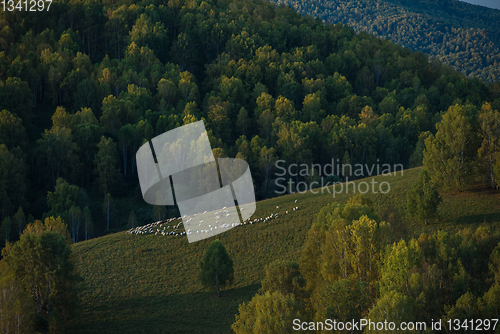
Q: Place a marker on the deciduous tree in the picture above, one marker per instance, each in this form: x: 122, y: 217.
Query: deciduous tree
x: 106, y: 161
x: 216, y: 268
x: 423, y: 199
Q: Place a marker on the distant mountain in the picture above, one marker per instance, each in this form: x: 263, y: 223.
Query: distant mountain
x: 462, y: 35
x: 487, y: 3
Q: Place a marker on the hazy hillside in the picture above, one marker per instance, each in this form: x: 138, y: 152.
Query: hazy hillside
x: 462, y: 35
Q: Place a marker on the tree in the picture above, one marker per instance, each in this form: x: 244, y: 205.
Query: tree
x: 6, y: 229
x: 489, y: 122
x: 127, y: 139
x: 284, y: 277
x: 216, y: 268
x: 12, y: 131
x: 106, y: 161
x: 395, y: 306
x: 107, y: 209
x: 267, y: 160
x: 311, y: 108
x: 63, y: 198
x: 496, y: 169
x: 87, y: 221
x: 59, y: 150
x: 20, y: 220
x: 449, y: 155
x: 75, y: 218
x: 55, y: 224
x: 13, y: 182
x: 343, y: 300
x: 42, y: 263
x: 271, y: 313
x: 243, y: 121
x: 132, y: 220
x: 15, y: 303
x: 112, y: 113
x: 423, y: 199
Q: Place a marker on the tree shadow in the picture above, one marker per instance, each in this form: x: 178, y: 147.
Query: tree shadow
x: 198, y: 312
x: 480, y: 218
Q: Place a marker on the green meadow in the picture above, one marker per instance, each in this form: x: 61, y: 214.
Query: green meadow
x: 149, y: 284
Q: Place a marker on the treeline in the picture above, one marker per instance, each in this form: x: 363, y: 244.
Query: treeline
x: 351, y: 267
x: 83, y: 86
x: 459, y: 34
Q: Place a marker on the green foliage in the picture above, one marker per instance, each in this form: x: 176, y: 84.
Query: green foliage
x: 88, y: 223
x: 343, y: 300
x: 106, y: 161
x: 108, y: 209
x: 58, y: 151
x: 15, y: 302
x: 423, y: 198
x: 179, y: 293
x: 489, y: 122
x: 19, y: 220
x: 283, y: 277
x: 62, y: 199
x: 271, y: 312
x: 12, y: 131
x: 450, y: 155
x: 6, y: 227
x: 42, y: 264
x: 457, y: 33
x: 216, y: 268
x: 13, y: 181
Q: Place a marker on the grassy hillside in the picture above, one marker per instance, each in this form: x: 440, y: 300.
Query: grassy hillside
x: 459, y: 34
x: 148, y: 284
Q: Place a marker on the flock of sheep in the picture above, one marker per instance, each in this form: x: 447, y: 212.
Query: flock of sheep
x: 171, y: 226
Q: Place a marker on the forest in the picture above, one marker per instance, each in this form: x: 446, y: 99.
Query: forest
x: 352, y: 267
x: 85, y: 84
x: 456, y: 33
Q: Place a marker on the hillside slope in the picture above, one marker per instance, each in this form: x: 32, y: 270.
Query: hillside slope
x: 148, y: 284
x: 462, y: 35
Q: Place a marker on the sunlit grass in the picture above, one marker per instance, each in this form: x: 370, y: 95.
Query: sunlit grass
x: 149, y: 284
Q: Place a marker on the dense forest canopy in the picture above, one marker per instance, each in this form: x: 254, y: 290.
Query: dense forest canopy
x: 462, y: 35
x: 84, y: 85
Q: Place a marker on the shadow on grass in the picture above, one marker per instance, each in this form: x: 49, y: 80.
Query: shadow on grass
x: 481, y: 218
x: 199, y: 312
